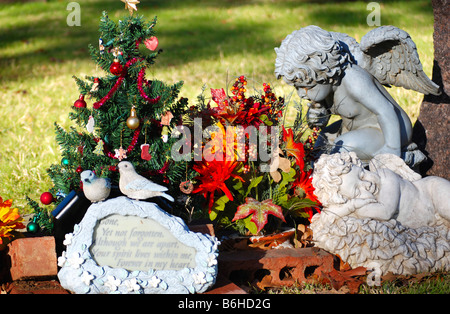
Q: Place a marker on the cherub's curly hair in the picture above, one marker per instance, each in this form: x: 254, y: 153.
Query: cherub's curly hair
x: 311, y: 55
x: 327, y: 176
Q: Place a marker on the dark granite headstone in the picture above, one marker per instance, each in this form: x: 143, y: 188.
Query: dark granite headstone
x: 431, y: 131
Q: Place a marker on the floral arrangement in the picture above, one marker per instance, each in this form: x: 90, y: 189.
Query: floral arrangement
x: 251, y: 167
x: 10, y: 219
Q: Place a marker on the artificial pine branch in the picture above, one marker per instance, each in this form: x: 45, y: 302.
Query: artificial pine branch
x: 115, y: 95
x: 44, y: 219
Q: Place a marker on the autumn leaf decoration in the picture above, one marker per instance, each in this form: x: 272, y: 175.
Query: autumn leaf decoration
x: 260, y: 211
x: 10, y: 219
x: 279, y: 162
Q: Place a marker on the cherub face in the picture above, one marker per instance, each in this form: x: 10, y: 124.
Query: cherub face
x: 359, y: 183
x: 314, y: 92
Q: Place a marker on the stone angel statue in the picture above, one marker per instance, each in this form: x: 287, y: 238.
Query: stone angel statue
x: 388, y: 214
x: 389, y: 190
x: 340, y: 76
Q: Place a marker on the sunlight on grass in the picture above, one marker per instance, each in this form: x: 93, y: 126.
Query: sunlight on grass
x: 204, y: 42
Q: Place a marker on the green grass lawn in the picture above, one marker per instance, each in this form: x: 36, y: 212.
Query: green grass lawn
x: 204, y: 42
x: 437, y: 283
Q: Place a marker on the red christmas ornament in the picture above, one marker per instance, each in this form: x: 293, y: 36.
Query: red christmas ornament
x: 79, y: 169
x: 116, y: 68
x: 119, y: 81
x: 80, y: 103
x: 46, y: 198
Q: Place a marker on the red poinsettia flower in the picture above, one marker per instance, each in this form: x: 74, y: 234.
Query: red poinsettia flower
x: 213, y: 175
x: 292, y: 148
x: 302, y: 187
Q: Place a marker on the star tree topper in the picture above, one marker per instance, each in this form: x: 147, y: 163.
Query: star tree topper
x: 130, y: 5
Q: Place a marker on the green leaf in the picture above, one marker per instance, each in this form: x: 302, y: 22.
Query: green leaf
x: 250, y: 225
x: 265, y: 119
x: 254, y: 183
x: 287, y: 177
x: 218, y: 206
x: 213, y: 214
x: 239, y: 187
x: 281, y: 189
x: 296, y: 205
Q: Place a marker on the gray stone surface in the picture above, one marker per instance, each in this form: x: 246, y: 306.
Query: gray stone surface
x: 389, y: 217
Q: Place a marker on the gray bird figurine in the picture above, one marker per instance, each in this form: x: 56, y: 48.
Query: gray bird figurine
x: 95, y: 189
x: 136, y: 186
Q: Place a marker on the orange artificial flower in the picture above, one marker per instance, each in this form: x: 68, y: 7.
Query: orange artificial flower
x: 9, y: 219
x: 294, y: 149
x: 304, y: 182
x: 215, y: 149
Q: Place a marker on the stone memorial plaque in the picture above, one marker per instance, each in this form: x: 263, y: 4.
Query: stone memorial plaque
x: 128, y: 246
x: 136, y: 243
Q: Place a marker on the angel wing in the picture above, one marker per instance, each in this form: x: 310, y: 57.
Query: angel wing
x: 390, y: 55
x: 395, y: 164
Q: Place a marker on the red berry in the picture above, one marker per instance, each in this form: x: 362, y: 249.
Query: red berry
x: 112, y: 168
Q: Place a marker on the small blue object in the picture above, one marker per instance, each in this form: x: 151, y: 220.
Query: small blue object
x: 68, y: 201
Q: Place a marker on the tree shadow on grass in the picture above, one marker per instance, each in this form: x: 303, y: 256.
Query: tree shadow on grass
x: 186, y: 40
x: 39, y: 37
x: 46, y: 38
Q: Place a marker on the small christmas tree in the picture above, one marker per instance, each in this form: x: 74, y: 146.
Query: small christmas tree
x: 130, y: 118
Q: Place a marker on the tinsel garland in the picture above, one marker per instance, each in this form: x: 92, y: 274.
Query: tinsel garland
x: 119, y: 81
x: 140, y: 81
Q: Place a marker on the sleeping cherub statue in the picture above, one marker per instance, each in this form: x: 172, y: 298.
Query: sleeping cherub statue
x: 389, y: 190
x: 340, y: 76
x: 388, y: 216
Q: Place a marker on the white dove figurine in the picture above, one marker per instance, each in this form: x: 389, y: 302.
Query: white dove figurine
x: 136, y: 186
x: 95, y: 189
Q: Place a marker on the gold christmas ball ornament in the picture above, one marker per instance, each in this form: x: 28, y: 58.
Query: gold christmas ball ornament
x: 133, y: 121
